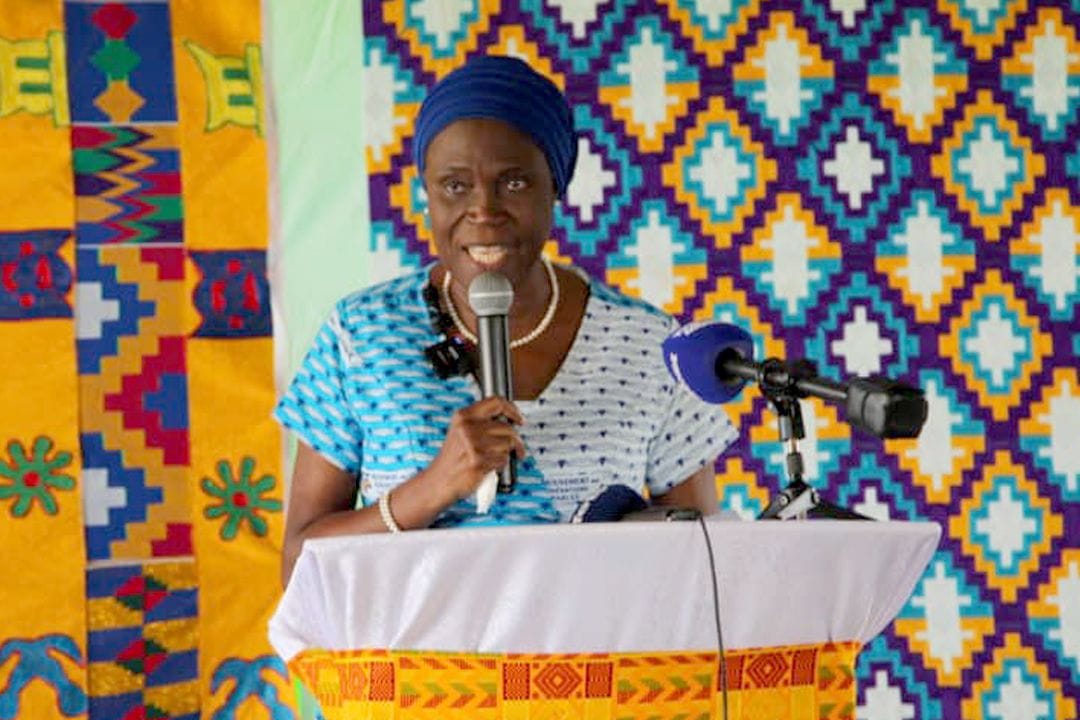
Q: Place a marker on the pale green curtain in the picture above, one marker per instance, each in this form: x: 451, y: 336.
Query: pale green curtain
x: 318, y: 189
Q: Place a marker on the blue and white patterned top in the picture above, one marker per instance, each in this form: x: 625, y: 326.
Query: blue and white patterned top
x: 366, y: 398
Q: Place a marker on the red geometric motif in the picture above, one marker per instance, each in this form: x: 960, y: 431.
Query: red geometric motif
x: 557, y: 680
x: 130, y: 401
x: 114, y: 19
x: 142, y: 656
x: 176, y: 543
x: 734, y: 665
x: 768, y: 670
x: 139, y: 593
x: 170, y: 263
x: 352, y: 679
x: 87, y: 136
x: 598, y: 679
x: 516, y: 681
x: 802, y: 667
x: 382, y: 681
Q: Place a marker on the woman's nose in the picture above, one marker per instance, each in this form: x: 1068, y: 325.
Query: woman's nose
x: 485, y: 200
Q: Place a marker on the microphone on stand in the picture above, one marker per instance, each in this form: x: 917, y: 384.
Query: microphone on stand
x: 715, y: 360
x: 490, y: 296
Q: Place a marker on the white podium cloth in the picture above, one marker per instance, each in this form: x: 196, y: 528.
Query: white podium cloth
x: 605, y: 587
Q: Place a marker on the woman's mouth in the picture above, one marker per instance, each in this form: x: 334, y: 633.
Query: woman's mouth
x: 487, y: 255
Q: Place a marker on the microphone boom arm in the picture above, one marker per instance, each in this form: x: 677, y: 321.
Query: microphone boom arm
x: 877, y: 405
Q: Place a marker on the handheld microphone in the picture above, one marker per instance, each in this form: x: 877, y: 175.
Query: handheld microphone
x: 714, y: 361
x: 490, y: 296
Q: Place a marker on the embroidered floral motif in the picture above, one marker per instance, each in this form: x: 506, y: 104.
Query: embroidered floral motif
x: 241, y: 498
x: 34, y: 477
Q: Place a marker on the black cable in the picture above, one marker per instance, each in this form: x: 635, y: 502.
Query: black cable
x: 716, y: 613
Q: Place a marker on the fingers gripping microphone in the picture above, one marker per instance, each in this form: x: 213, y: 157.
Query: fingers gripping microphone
x: 714, y: 360
x: 490, y: 296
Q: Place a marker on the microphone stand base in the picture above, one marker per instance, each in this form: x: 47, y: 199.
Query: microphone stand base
x: 798, y: 500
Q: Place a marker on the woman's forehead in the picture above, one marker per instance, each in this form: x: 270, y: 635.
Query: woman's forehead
x: 486, y: 139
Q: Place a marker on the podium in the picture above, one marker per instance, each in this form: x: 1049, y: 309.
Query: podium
x: 607, y: 620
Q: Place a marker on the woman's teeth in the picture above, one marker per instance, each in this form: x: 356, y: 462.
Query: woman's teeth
x: 487, y: 255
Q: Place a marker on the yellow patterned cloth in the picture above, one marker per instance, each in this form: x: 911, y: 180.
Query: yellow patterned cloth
x: 43, y: 651
x: 140, y: 471
x: 235, y: 446
x: 806, y: 682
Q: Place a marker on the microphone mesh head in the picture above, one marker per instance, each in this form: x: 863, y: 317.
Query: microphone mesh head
x: 490, y: 293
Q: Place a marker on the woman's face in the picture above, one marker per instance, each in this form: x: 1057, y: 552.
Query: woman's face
x: 490, y: 199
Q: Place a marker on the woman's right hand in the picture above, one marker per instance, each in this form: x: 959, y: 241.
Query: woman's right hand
x: 322, y: 497
x: 479, y: 440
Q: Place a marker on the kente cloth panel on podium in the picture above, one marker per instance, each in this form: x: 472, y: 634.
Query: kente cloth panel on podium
x: 596, y: 621
x: 806, y: 682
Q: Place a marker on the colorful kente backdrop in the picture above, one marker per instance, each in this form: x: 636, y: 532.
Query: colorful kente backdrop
x: 140, y: 473
x: 883, y: 187
x: 880, y: 186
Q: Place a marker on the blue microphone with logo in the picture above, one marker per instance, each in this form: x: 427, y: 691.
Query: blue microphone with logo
x: 704, y: 356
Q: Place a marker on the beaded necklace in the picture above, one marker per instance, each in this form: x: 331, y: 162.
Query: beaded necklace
x: 549, y: 314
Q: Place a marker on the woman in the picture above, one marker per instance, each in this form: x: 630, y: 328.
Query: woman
x: 386, y: 444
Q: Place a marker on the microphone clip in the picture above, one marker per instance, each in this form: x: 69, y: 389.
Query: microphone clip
x: 780, y: 379
x: 451, y: 356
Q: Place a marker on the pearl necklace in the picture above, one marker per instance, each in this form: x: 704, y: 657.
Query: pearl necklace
x: 525, y: 339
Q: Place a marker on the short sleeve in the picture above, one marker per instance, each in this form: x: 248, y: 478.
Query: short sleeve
x: 692, y: 434
x: 315, y: 405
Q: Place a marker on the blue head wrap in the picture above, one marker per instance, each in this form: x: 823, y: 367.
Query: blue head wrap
x: 507, y: 89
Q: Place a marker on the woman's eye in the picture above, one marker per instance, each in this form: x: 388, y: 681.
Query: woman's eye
x: 454, y: 186
x: 516, y: 184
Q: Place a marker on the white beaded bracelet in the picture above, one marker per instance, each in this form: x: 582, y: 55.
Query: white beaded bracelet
x: 387, y: 516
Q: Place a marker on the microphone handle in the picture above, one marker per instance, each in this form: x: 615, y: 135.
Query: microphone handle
x: 493, y: 333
